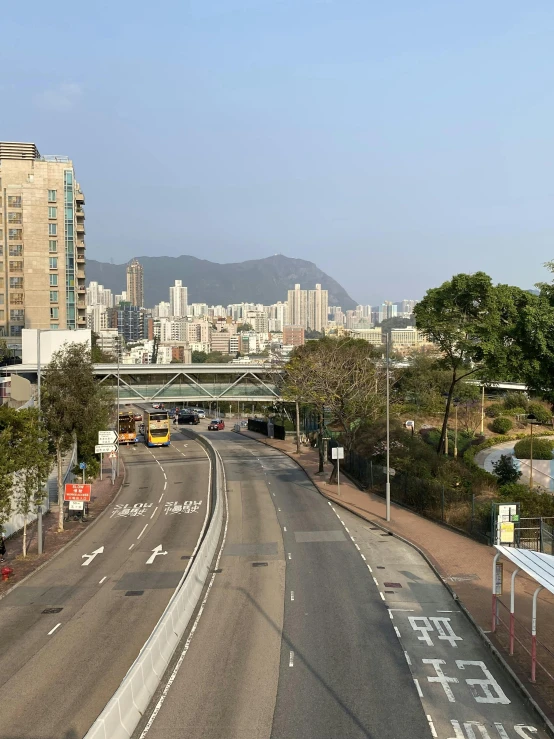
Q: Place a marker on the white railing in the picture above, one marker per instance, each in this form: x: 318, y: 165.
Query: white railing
x: 125, y: 709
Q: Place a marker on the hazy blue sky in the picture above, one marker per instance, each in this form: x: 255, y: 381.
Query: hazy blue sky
x: 392, y: 143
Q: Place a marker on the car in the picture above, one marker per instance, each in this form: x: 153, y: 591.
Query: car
x: 138, y: 417
x: 200, y: 412
x: 188, y: 418
x: 156, y: 405
x: 216, y: 425
x: 244, y: 424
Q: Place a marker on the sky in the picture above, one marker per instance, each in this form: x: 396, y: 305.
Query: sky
x: 394, y: 144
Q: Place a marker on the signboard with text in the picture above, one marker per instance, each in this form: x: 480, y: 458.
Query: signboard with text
x: 77, y: 491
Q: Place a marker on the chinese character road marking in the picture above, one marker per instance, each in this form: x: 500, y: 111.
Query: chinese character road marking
x: 441, y: 677
x: 189, y: 506
x: 138, y: 509
x: 493, y: 693
x: 441, y: 624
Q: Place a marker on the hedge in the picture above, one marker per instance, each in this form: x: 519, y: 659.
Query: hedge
x: 542, y: 449
x: 501, y: 425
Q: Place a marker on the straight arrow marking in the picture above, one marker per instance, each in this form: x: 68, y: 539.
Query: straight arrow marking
x: 155, y: 552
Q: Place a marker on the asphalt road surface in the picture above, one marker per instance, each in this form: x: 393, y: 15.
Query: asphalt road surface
x: 69, y: 634
x: 318, y: 626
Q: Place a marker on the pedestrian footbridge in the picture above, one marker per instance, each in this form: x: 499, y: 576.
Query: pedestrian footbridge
x: 241, y: 383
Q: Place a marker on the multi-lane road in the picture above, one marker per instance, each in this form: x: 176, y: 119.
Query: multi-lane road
x: 69, y: 634
x: 315, y: 624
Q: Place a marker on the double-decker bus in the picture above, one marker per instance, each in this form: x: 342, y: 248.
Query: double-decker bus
x: 127, y: 428
x: 156, y: 427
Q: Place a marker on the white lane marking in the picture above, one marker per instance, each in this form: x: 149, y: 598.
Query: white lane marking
x: 182, y: 656
x: 347, y: 529
x: 156, y: 552
x: 132, y: 545
x: 391, y: 615
x: 432, y: 726
x: 284, y: 528
x: 290, y: 556
x: 402, y: 610
x: 408, y: 660
x: 369, y: 568
x: 357, y: 546
x: 418, y: 688
x: 273, y: 494
x: 329, y: 502
x: 57, y: 626
x: 397, y: 632
x: 90, y: 557
x: 269, y: 483
x: 165, y: 484
x: 154, y: 512
x: 375, y: 581
x: 382, y: 596
x: 279, y: 510
x: 292, y: 594
x: 448, y: 611
x: 291, y: 659
x: 161, y: 496
x: 142, y: 532
x: 102, y: 580
x: 362, y: 556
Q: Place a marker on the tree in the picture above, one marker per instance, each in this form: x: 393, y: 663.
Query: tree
x: 72, y: 403
x: 198, y: 357
x: 98, y: 355
x: 506, y: 470
x: 244, y: 327
x: 6, y: 476
x: 34, y: 463
x: 473, y: 323
x: 342, y: 375
x: 395, y: 322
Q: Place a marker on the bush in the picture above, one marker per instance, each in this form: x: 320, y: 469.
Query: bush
x: 516, y: 411
x: 493, y: 410
x: 501, y: 425
x: 515, y: 400
x: 506, y: 470
x: 542, y: 413
x: 530, y: 502
x: 542, y: 449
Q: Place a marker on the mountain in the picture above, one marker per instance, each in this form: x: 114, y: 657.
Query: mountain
x: 263, y: 281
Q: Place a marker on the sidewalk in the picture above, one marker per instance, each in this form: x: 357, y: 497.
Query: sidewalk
x: 462, y: 563
x: 102, y: 494
x: 543, y: 469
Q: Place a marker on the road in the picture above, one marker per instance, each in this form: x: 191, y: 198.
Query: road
x: 319, y: 626
x: 70, y: 633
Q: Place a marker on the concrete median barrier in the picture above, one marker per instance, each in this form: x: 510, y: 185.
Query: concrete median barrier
x: 125, y: 709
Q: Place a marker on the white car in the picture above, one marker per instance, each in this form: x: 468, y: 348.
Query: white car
x: 200, y: 413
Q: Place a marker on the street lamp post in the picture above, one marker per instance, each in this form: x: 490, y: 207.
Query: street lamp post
x: 532, y: 420
x: 456, y: 429
x: 118, y: 353
x: 387, y: 485
x: 39, y: 509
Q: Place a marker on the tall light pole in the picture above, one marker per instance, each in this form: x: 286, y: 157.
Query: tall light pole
x: 117, y: 441
x: 482, y: 410
x: 39, y: 509
x: 387, y: 485
x: 532, y: 420
x: 456, y: 430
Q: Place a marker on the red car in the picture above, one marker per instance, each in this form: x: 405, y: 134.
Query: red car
x: 216, y: 425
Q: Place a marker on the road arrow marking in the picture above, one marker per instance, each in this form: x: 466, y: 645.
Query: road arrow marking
x: 156, y: 551
x: 90, y: 557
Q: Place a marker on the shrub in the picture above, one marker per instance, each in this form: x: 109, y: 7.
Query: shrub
x: 515, y: 400
x: 542, y: 449
x: 516, y: 411
x: 494, y: 410
x: 506, y: 470
x: 501, y: 425
x: 530, y: 502
x: 542, y: 413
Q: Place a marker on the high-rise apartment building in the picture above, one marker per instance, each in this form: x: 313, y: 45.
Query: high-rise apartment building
x: 318, y: 309
x: 135, y: 284
x: 298, y: 307
x: 178, y: 299
x: 42, y: 247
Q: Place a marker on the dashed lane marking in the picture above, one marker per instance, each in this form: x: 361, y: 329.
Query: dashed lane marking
x: 416, y: 681
x: 291, y: 659
x: 57, y: 626
x: 102, y: 580
x: 142, y: 532
x: 154, y: 512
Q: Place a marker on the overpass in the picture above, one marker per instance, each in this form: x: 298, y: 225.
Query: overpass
x: 183, y: 383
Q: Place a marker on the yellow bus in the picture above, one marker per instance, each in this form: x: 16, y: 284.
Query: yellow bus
x: 127, y: 428
x: 156, y: 427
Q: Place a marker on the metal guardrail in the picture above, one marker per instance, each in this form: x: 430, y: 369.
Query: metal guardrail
x: 125, y: 709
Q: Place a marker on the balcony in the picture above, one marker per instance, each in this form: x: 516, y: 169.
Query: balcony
x: 81, y: 259
x: 80, y: 274
x: 80, y: 227
x: 81, y: 320
x: 79, y: 197
x: 81, y: 289
x: 81, y: 304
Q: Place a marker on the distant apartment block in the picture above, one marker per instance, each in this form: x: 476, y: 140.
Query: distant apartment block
x: 294, y: 336
x: 42, y: 246
x: 178, y: 299
x: 135, y: 284
x: 371, y: 335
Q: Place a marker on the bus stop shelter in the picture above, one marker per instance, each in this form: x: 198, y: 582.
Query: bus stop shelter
x: 540, y: 567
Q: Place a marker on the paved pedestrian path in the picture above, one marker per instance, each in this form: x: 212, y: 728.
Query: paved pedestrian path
x: 463, y: 564
x: 543, y: 469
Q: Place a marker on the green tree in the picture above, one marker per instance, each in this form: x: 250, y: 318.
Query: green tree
x: 6, y: 476
x: 474, y: 324
x: 34, y: 462
x: 72, y: 403
x: 97, y: 355
x: 199, y: 357
x: 506, y: 470
x: 244, y: 327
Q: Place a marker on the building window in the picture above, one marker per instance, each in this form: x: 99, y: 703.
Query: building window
x: 14, y: 201
x: 53, y: 280
x: 16, y: 250
x: 16, y: 283
x: 15, y: 330
x: 15, y: 217
x: 16, y: 266
x: 53, y: 296
x: 54, y: 314
x: 52, y: 229
x: 17, y: 314
x: 53, y: 262
x: 1, y: 298
x: 54, y: 326
x: 52, y: 212
x: 16, y: 298
x: 51, y: 196
x: 15, y: 234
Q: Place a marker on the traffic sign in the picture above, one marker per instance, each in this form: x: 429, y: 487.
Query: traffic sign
x: 107, y: 437
x: 82, y: 465
x: 337, y: 452
x: 77, y: 491
x: 104, y: 448
x: 112, y: 455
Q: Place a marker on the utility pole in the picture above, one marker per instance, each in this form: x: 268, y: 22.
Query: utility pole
x: 387, y: 485
x: 118, y: 373
x: 39, y: 509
